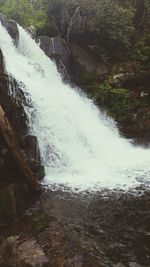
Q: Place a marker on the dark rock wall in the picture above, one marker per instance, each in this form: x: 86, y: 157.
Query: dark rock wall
x: 14, y: 194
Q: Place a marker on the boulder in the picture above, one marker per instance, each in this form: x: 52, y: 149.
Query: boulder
x: 18, y: 252
x: 32, y: 31
x: 32, y: 152
x: 86, y: 67
x: 89, y: 61
x: 31, y: 147
x: 37, y: 168
x: 57, y: 49
x: 11, y: 27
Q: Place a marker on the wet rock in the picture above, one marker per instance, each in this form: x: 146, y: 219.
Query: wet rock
x: 1, y: 62
x: 31, y: 147
x: 32, y: 31
x: 118, y: 265
x: 57, y: 49
x: 11, y: 98
x: 18, y: 252
x: 37, y: 169
x: 9, y: 171
x: 11, y: 27
x: 134, y: 264
x: 7, y: 202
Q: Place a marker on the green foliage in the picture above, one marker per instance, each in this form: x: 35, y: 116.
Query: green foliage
x: 117, y: 30
x: 27, y: 12
x: 118, y: 100
x: 141, y: 50
x: 106, y: 21
x: 113, y: 24
x: 84, y: 77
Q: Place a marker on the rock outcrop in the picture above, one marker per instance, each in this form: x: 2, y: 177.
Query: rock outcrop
x: 58, y: 50
x: 11, y: 27
x: 30, y: 146
x: 32, y: 31
x: 72, y: 60
x: 13, y: 192
x: 19, y: 252
x: 87, y: 65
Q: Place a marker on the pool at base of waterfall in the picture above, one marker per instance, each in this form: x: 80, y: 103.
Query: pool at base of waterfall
x: 89, y: 229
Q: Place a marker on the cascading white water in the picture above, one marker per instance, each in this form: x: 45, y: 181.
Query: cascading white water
x: 53, y: 45
x: 79, y: 145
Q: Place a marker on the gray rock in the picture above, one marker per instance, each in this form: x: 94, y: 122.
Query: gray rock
x: 11, y: 27
x: 57, y: 49
x: 88, y: 61
x: 118, y: 265
x: 32, y: 31
x: 134, y: 264
x: 16, y: 252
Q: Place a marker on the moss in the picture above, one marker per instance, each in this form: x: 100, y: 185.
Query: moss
x: 40, y: 221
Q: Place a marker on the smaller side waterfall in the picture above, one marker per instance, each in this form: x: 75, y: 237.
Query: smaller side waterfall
x: 53, y: 45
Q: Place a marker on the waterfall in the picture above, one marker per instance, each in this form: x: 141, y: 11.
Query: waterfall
x: 79, y: 145
x: 53, y: 45
x: 64, y: 71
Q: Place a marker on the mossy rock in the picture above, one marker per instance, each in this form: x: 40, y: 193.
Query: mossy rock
x: 40, y: 221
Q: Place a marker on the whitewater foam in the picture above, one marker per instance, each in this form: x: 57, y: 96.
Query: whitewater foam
x: 79, y: 145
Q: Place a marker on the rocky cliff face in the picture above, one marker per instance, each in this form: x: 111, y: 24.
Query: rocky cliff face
x: 13, y: 191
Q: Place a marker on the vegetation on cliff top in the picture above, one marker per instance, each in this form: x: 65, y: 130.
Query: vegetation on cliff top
x: 116, y: 30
